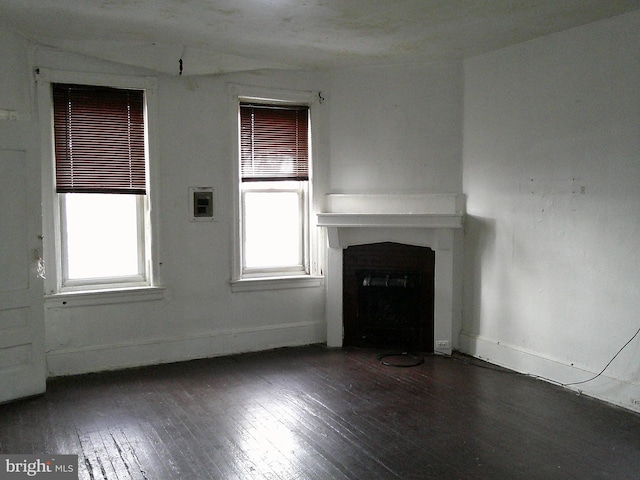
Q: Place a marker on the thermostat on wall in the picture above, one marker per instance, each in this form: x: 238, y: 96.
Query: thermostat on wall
x: 201, y: 204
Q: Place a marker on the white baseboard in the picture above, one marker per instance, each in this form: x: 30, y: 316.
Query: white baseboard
x: 620, y: 392
x: 95, y: 358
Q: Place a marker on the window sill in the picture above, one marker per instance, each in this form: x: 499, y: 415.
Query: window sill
x: 276, y: 283
x: 103, y: 297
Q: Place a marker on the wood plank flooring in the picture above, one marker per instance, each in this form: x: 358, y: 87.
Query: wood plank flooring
x: 318, y: 413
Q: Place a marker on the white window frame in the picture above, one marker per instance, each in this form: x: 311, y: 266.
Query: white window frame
x: 302, y: 190
x: 55, y: 282
x: 143, y: 240
x: 308, y: 274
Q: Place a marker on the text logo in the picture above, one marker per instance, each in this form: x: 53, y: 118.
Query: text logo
x: 50, y: 467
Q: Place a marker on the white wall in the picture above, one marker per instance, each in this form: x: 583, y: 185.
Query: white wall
x: 396, y: 129
x: 198, y: 315
x: 15, y: 75
x: 552, y: 177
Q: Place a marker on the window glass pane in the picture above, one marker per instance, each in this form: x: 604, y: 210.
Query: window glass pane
x: 272, y: 229
x: 101, y: 235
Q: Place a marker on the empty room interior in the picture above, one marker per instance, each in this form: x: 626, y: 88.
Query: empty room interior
x: 321, y: 239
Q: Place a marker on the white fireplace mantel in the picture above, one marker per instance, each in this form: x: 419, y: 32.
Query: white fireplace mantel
x: 343, y: 223
x: 421, y: 220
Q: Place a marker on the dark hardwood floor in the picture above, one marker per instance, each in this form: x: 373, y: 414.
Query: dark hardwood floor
x: 317, y: 413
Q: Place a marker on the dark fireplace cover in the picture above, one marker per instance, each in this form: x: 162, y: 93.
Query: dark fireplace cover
x: 388, y: 310
x: 388, y: 297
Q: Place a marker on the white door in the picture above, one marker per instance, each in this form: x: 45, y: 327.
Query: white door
x: 22, y: 355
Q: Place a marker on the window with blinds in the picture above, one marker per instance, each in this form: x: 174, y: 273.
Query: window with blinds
x: 99, y: 149
x: 99, y: 139
x: 274, y: 142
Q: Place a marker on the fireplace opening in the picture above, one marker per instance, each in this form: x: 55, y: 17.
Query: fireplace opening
x: 388, y: 296
x: 388, y: 306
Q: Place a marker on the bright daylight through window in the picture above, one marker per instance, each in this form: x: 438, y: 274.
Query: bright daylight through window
x: 274, y: 165
x: 101, y: 185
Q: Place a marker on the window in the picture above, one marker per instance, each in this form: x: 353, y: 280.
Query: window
x: 101, y: 187
x: 274, y: 189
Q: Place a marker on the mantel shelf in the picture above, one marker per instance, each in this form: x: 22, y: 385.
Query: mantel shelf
x: 388, y: 220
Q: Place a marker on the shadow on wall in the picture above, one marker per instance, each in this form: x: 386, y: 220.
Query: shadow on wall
x: 479, y: 248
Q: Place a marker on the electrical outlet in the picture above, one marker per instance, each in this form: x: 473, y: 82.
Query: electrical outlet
x: 442, y: 343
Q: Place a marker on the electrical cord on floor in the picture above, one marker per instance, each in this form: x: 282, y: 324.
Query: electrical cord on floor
x: 501, y: 370
x: 416, y: 359
x: 607, y: 365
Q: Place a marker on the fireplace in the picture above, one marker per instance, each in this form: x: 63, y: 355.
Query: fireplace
x: 388, y: 296
x: 421, y: 220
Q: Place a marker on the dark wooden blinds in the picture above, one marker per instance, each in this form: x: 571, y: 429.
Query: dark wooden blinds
x: 274, y: 142
x: 99, y: 139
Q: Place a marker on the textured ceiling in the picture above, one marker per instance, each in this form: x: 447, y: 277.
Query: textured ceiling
x: 217, y: 36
